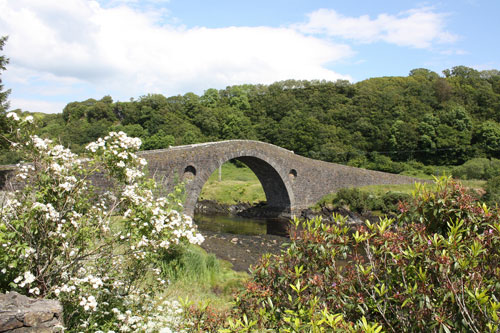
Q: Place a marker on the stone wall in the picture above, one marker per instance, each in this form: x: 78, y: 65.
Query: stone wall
x: 21, y: 314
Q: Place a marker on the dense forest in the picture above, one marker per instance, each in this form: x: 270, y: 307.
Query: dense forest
x: 384, y: 123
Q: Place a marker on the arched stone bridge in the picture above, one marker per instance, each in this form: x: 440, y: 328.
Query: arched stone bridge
x: 290, y: 182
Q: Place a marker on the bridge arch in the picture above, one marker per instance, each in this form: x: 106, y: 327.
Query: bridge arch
x: 291, y: 182
x: 277, y: 186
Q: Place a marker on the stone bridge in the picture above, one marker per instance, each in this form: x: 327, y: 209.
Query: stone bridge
x: 290, y: 182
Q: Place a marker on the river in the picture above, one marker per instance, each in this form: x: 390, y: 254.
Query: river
x: 241, y: 241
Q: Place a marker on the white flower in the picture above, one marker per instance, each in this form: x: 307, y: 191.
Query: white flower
x: 92, y: 303
x: 66, y: 186
x: 34, y: 291
x: 28, y: 252
x: 28, y: 277
x: 39, y: 143
x: 13, y: 116
x: 29, y: 119
x: 92, y: 147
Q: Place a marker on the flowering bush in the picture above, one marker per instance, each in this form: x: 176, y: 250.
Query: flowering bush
x: 63, y: 237
x: 435, y: 269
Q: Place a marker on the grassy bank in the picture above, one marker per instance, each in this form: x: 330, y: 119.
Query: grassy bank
x: 238, y: 184
x: 201, y: 278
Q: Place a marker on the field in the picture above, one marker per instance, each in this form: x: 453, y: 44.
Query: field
x: 238, y: 184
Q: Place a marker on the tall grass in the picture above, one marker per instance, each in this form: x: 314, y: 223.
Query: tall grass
x: 194, y: 274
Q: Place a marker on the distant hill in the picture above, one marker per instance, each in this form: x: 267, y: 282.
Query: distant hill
x: 379, y: 123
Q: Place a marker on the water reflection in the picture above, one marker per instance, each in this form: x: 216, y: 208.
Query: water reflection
x: 242, y: 226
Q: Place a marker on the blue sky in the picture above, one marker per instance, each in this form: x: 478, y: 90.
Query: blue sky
x: 72, y: 50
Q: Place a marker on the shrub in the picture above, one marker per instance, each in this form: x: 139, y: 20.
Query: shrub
x: 61, y: 237
x: 189, y: 263
x: 492, y: 188
x: 434, y: 269
x: 355, y: 199
x: 435, y: 209
x: 392, y: 201
x: 478, y: 168
x: 361, y: 201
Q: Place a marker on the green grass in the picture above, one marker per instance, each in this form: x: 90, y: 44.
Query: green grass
x: 238, y: 184
x: 193, y: 274
x: 408, y: 188
x: 380, y: 190
x: 201, y: 277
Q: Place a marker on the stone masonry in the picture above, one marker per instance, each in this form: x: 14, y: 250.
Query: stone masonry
x: 291, y: 182
x: 21, y: 314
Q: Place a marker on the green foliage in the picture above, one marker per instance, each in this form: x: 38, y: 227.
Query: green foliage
x: 4, y: 104
x: 189, y: 263
x: 436, y: 268
x: 492, y: 188
x: 158, y: 141
x: 188, y: 267
x: 380, y: 123
x: 360, y: 201
x: 437, y: 208
x: 478, y: 168
x: 487, y: 137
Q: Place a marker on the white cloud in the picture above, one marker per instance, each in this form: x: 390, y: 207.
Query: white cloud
x: 124, y: 48
x: 127, y: 52
x: 451, y: 52
x: 418, y: 28
x: 36, y: 105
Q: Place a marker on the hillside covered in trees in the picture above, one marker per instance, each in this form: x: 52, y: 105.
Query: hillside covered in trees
x: 379, y: 123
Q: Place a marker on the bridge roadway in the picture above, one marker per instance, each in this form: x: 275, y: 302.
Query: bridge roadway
x: 290, y: 182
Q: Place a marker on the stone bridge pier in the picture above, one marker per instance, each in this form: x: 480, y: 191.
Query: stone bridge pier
x: 290, y: 182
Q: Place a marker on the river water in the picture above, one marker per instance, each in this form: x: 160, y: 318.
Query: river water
x: 242, y: 226
x: 241, y: 241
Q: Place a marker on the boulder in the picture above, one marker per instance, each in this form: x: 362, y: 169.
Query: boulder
x: 19, y: 314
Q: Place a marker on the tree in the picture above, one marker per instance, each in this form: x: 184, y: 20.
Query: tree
x: 158, y: 141
x: 4, y: 104
x: 487, y: 137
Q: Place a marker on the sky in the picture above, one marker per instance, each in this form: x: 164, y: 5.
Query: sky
x: 62, y: 51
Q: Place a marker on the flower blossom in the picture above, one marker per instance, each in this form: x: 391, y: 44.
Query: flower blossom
x: 13, y: 115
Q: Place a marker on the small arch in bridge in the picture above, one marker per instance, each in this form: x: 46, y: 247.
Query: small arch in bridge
x: 292, y: 174
x: 189, y: 172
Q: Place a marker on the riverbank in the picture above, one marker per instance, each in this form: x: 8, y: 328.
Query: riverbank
x: 259, y: 210
x: 241, y: 251
x: 244, y: 250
